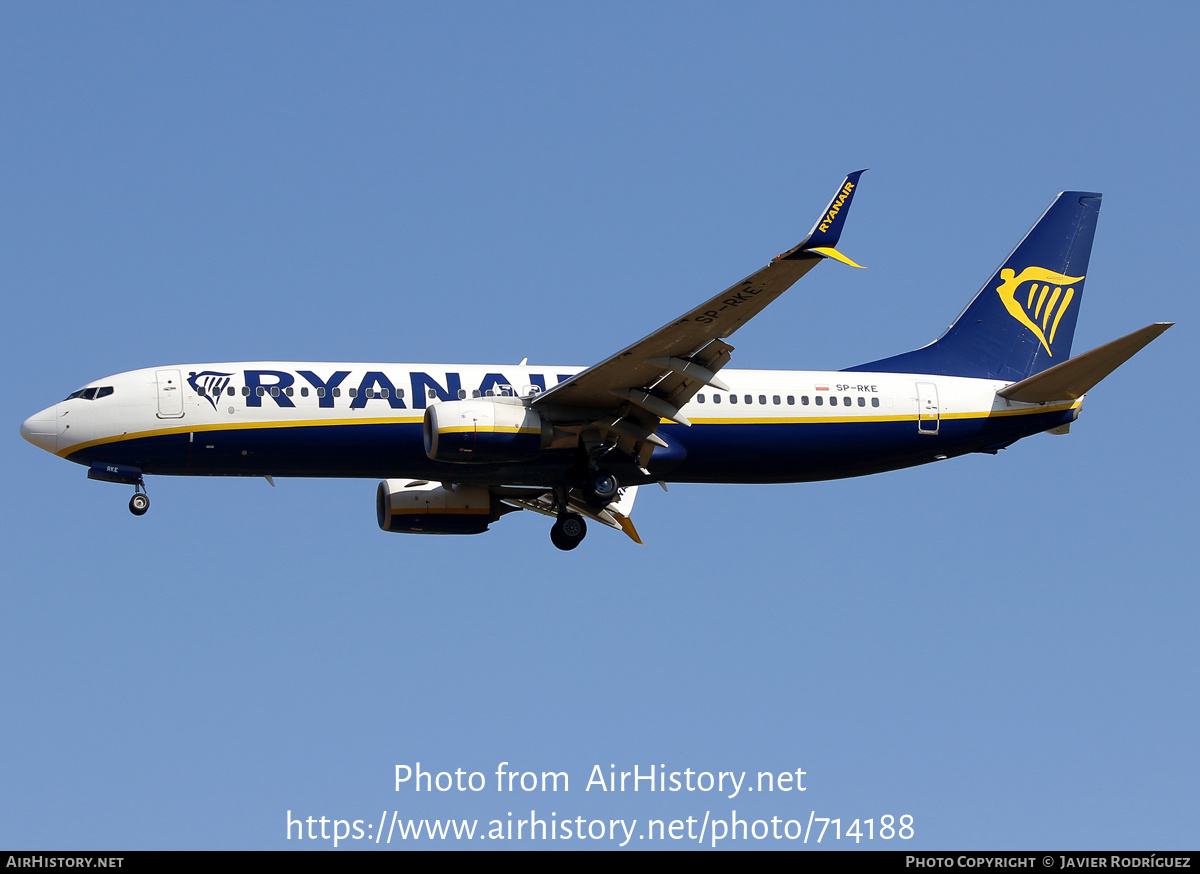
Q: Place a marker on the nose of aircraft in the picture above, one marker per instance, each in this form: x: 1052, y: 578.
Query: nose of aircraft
x: 41, y: 429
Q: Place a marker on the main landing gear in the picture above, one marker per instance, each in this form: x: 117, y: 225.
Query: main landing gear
x: 568, y: 531
x: 140, y: 502
x: 600, y: 488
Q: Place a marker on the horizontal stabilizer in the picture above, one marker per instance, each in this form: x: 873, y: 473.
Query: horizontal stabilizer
x: 1074, y: 378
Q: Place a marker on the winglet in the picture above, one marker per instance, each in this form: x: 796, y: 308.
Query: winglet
x: 824, y: 236
x: 627, y: 526
x: 830, y: 252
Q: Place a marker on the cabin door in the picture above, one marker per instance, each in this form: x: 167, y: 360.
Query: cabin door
x: 927, y: 408
x: 170, y: 394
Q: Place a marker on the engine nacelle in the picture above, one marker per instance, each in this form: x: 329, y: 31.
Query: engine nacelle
x: 482, y: 430
x: 428, y: 508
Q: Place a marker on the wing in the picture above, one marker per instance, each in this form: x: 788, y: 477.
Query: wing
x: 615, y: 515
x: 624, y: 397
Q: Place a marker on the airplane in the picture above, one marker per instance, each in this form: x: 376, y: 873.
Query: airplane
x: 458, y: 446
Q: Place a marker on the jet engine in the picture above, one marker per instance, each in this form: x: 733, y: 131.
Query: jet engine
x: 482, y: 430
x: 422, y: 507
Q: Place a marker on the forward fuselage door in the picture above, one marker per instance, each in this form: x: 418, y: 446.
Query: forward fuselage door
x: 170, y: 394
x: 927, y: 408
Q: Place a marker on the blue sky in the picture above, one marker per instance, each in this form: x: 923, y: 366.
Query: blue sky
x: 1003, y: 648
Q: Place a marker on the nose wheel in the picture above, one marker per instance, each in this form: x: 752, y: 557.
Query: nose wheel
x: 568, y: 531
x: 140, y: 502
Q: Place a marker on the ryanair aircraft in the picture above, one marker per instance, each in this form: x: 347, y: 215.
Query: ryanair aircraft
x: 458, y: 446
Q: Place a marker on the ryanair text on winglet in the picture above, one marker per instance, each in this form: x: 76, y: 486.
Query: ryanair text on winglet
x: 835, y: 207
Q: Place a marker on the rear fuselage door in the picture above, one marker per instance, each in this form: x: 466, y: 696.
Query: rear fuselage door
x: 170, y: 394
x: 927, y: 408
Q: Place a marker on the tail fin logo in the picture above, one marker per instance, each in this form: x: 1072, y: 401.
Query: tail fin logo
x: 1041, y: 307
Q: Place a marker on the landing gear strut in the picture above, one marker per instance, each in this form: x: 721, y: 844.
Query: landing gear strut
x: 568, y: 531
x: 140, y: 502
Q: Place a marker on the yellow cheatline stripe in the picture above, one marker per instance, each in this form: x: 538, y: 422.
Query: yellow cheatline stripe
x: 797, y: 420
x: 238, y: 426
x: 488, y: 429
x: 411, y: 420
x: 441, y: 511
x: 815, y: 420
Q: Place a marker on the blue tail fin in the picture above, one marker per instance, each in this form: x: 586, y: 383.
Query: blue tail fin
x: 1023, y: 319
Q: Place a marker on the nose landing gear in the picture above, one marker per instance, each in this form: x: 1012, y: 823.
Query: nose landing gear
x: 140, y: 502
x: 126, y: 475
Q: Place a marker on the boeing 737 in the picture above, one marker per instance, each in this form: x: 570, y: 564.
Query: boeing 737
x: 459, y: 446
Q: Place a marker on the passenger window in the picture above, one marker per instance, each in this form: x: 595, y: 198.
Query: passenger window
x: 229, y: 391
x: 699, y: 399
x: 716, y: 399
x: 259, y: 390
x: 274, y: 391
x: 733, y: 399
x: 432, y: 394
x: 321, y: 391
x: 383, y: 392
x: 862, y: 402
x: 819, y: 400
x: 200, y: 391
x: 874, y: 402
x: 762, y: 399
x: 337, y: 392
x: 353, y: 392
x: 245, y: 391
x: 804, y: 400
x: 749, y: 399
x: 399, y: 392
x: 846, y: 402
x: 303, y: 391
x: 832, y: 400
x: 792, y: 400
x: 462, y: 393
x: 475, y: 393
x: 775, y: 400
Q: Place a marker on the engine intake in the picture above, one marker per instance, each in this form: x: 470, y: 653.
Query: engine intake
x: 408, y: 507
x: 482, y: 430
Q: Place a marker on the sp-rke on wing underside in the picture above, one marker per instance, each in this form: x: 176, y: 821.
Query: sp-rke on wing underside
x: 456, y: 447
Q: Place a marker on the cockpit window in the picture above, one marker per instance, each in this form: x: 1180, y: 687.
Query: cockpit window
x: 90, y: 394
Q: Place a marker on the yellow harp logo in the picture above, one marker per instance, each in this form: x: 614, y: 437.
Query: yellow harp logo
x: 1041, y: 308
